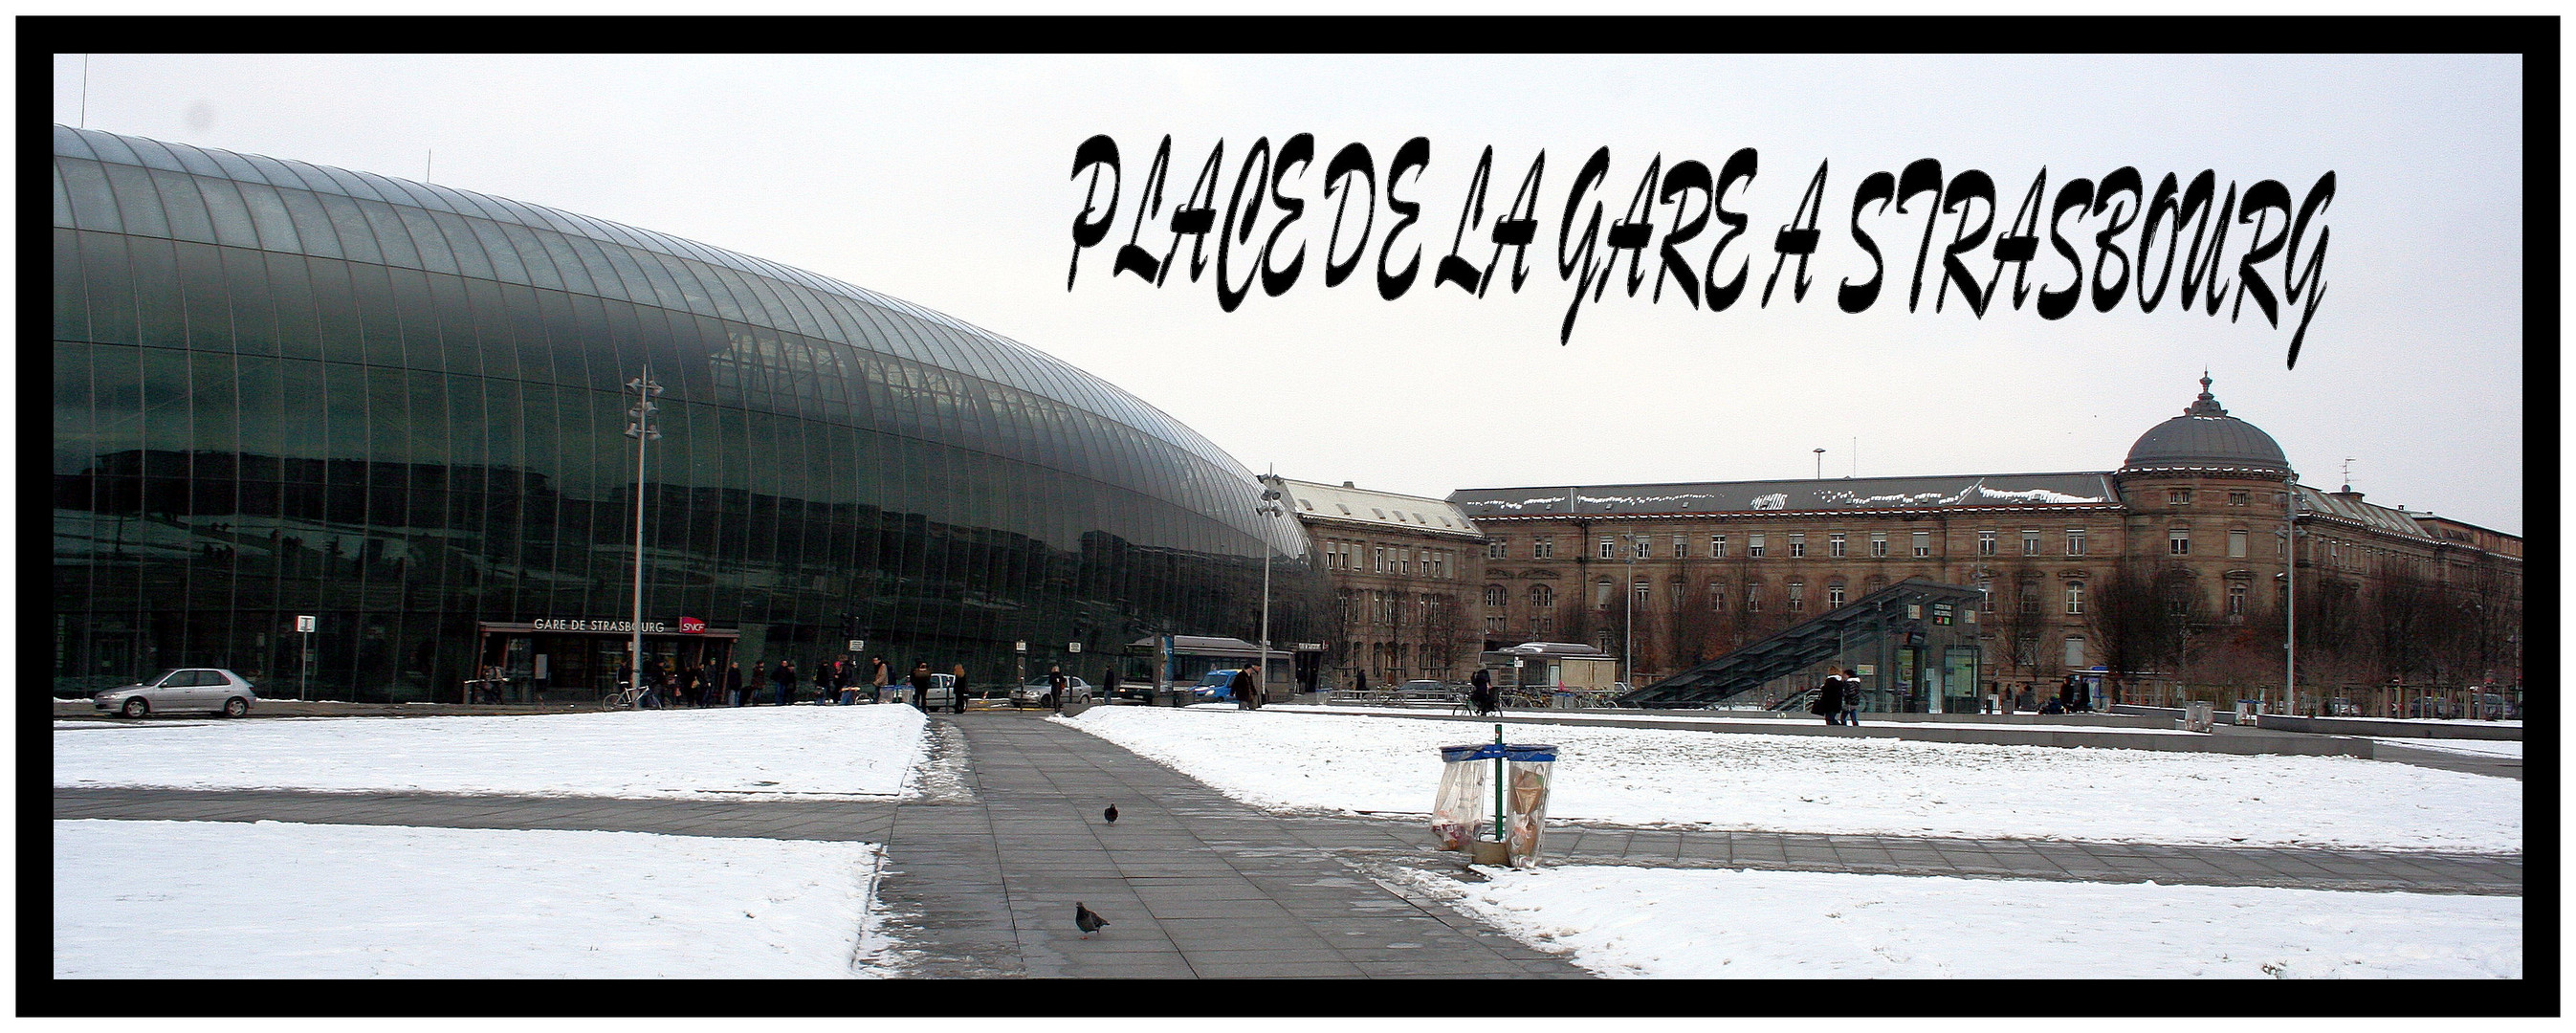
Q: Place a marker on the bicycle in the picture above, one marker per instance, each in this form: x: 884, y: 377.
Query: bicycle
x: 623, y: 697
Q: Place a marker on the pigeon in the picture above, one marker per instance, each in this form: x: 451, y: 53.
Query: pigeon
x: 1110, y: 815
x: 1084, y: 919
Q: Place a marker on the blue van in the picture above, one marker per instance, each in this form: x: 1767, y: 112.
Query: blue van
x: 1214, y: 687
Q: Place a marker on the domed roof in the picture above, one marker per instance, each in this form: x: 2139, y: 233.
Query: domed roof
x: 2204, y: 437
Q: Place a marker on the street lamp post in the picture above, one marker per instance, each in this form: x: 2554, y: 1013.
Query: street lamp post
x: 642, y: 430
x: 2290, y: 597
x: 1270, y: 507
x: 1628, y: 628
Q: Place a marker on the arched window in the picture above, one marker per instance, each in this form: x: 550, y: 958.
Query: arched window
x: 1542, y: 597
x: 1494, y: 596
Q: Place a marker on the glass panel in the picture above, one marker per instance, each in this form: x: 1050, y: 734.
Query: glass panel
x: 203, y: 297
x: 470, y: 259
x: 231, y: 217
x: 93, y: 204
x: 394, y: 239
x: 71, y: 309
x: 336, y: 327
x: 275, y: 228
x: 163, y: 320
x: 314, y: 231
x: 435, y: 252
x: 357, y: 238
x: 137, y: 202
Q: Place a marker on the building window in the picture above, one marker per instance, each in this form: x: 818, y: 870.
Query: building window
x: 2074, y: 598
x: 1680, y: 592
x: 2030, y: 597
x: 1541, y: 625
x: 1717, y: 597
x: 2179, y: 541
x: 1544, y: 548
x: 1753, y: 597
x: 1496, y: 549
x: 1797, y: 596
x: 2178, y: 496
x: 1717, y: 546
x: 2030, y: 541
x: 1494, y: 596
x: 1641, y: 546
x: 2236, y: 545
x: 1681, y: 547
x: 2236, y: 599
x: 1797, y: 544
x: 1493, y: 627
x: 1833, y: 595
x: 1922, y: 544
x: 1753, y: 545
x: 1985, y: 543
x: 2075, y: 541
x: 1377, y: 559
x: 1542, y: 598
x: 1985, y: 596
x: 2240, y: 498
x: 2074, y: 650
x: 1834, y: 545
x: 1641, y: 594
x: 1609, y: 549
x: 1601, y: 594
x: 1878, y: 544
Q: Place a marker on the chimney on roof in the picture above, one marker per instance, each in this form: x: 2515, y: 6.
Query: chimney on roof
x: 1348, y: 484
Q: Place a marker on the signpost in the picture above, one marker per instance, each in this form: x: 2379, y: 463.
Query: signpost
x: 1073, y: 647
x: 304, y: 623
x: 858, y: 645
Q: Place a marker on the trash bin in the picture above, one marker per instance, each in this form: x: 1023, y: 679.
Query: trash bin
x: 2197, y: 717
x: 1462, y: 816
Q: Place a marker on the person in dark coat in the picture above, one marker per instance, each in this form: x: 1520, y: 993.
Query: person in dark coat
x: 785, y: 677
x: 733, y: 695
x: 1829, y: 699
x: 1109, y: 684
x: 1056, y: 685
x: 1480, y: 693
x: 921, y: 685
x: 1247, y: 690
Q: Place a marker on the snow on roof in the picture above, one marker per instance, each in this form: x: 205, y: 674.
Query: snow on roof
x: 1360, y: 505
x: 1989, y: 490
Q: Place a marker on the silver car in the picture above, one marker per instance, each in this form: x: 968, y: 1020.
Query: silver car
x: 210, y: 689
x: 1034, y: 693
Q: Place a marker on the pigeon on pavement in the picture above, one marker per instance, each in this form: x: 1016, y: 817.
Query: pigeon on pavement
x: 1084, y: 919
x: 1110, y: 815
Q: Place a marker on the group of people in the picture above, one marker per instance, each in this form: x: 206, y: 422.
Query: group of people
x: 1838, y: 699
x: 667, y: 683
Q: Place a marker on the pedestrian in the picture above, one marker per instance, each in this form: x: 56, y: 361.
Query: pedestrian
x: 958, y: 683
x: 1851, y: 697
x: 786, y: 679
x: 2066, y: 695
x: 1359, y: 685
x: 1109, y: 684
x: 921, y: 685
x: 692, y: 689
x: 733, y: 695
x: 1056, y: 684
x: 1829, y: 699
x: 1480, y: 693
x: 879, y: 676
x: 1247, y: 690
x: 846, y: 680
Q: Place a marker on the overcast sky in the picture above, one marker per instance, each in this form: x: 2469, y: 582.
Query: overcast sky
x: 944, y: 181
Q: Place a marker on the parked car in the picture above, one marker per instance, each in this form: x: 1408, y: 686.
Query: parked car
x: 1034, y: 693
x: 210, y: 689
x: 1214, y: 687
x: 1129, y: 692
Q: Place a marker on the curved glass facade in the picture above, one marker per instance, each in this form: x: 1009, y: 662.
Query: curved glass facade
x: 282, y: 389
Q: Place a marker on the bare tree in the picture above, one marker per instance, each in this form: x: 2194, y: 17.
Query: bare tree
x: 2017, y: 622
x: 2138, y: 612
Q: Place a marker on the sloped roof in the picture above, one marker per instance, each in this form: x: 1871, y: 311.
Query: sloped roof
x: 1309, y: 500
x: 1861, y: 494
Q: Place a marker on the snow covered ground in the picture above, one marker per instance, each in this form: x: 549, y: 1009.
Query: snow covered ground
x: 2479, y: 747
x: 1716, y: 924
x: 274, y: 900
x: 806, y: 752
x: 1319, y: 761
x: 1685, y: 719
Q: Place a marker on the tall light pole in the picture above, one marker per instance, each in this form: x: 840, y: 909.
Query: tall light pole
x: 1628, y: 632
x: 2290, y: 596
x: 1270, y: 507
x: 640, y: 427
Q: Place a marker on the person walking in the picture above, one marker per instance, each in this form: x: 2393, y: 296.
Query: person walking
x: 733, y: 694
x: 1109, y: 684
x: 1851, y: 697
x: 921, y: 685
x: 1359, y: 685
x: 1056, y: 685
x: 786, y: 680
x: 1829, y: 699
x: 879, y: 676
x: 1247, y: 691
x: 958, y: 684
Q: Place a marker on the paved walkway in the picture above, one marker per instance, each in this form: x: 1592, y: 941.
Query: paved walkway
x: 982, y: 878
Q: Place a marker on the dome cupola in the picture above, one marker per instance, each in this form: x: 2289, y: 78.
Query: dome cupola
x: 2205, y: 439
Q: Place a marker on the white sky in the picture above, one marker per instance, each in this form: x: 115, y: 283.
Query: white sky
x: 944, y: 181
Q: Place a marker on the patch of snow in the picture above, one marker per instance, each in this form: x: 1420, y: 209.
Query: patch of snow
x: 1717, y: 924
x: 719, y: 753
x: 1775, y: 500
x: 278, y: 900
x: 1317, y: 760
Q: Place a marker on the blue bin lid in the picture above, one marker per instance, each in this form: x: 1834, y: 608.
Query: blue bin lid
x: 1528, y: 753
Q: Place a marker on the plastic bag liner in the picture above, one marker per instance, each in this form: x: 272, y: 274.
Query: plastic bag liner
x: 1463, y: 812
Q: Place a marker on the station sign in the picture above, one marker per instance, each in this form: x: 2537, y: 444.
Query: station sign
x: 304, y: 622
x: 557, y: 624
x: 692, y: 626
x: 1073, y: 647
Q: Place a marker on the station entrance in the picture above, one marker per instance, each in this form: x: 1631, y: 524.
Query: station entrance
x: 539, y: 661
